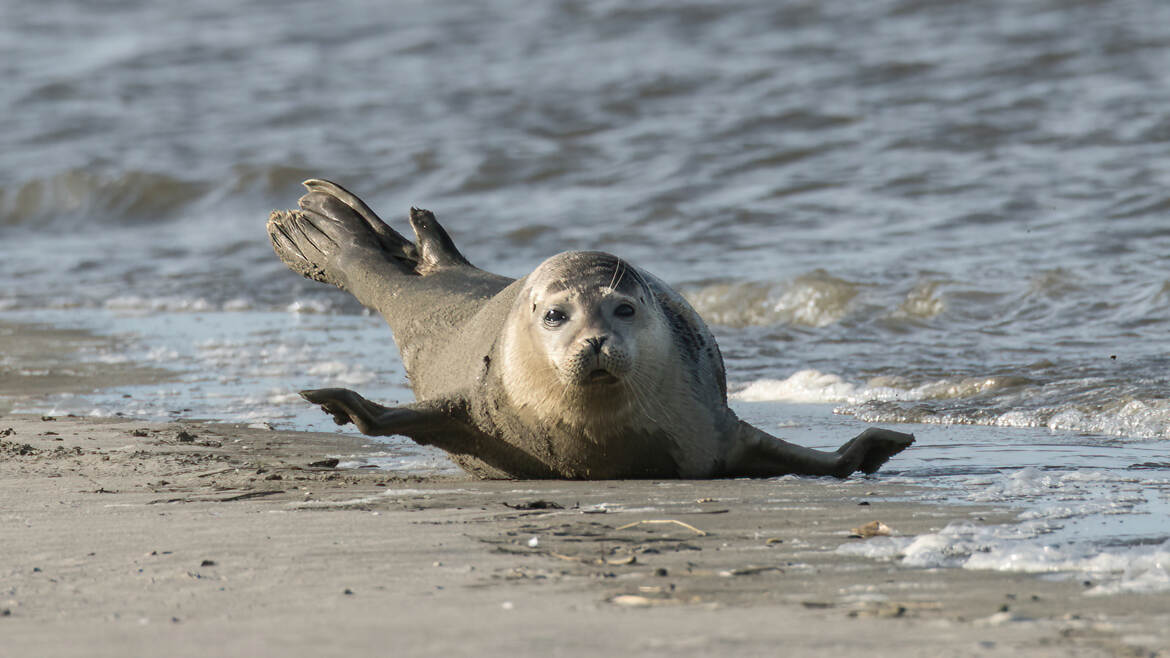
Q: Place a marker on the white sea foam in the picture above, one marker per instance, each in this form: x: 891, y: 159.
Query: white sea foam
x: 112, y: 358
x: 1019, y: 548
x: 164, y: 355
x: 309, y: 306
x: 1047, y: 538
x: 882, y: 400
x: 801, y: 386
x: 159, y: 304
x: 816, y: 386
x: 1144, y: 418
x: 342, y: 373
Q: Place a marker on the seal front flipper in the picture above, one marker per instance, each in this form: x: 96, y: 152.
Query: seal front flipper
x: 441, y: 422
x: 755, y: 453
x: 372, y: 419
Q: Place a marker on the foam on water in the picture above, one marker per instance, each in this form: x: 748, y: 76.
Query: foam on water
x: 1084, y: 507
x: 1064, y: 529
x: 230, y: 366
x: 1138, y: 569
x: 997, y: 400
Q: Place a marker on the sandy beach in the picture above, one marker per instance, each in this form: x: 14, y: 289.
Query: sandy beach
x: 941, y: 218
x: 130, y: 538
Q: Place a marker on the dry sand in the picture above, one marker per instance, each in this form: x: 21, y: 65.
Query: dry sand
x: 129, y: 538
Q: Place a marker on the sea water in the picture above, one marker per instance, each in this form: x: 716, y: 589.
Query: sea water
x: 951, y: 219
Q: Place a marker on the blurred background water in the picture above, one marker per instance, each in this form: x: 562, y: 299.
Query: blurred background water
x: 950, y: 218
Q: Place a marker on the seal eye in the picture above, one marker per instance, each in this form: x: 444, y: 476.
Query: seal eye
x: 624, y: 311
x: 554, y: 318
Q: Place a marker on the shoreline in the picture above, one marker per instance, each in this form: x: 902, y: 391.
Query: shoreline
x: 125, y: 537
x: 38, y: 360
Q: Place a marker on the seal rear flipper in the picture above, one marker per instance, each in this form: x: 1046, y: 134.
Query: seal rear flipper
x: 755, y: 453
x: 436, y: 249
x: 327, y: 240
x: 874, y: 447
x: 303, y: 247
x: 361, y: 247
x: 335, y: 202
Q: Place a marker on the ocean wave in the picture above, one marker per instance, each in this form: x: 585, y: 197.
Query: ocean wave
x: 270, y: 180
x: 125, y: 198
x: 1132, y: 418
x: 1050, y: 302
x: 178, y: 304
x: 998, y: 401
x: 816, y: 299
x: 816, y: 386
x: 136, y: 303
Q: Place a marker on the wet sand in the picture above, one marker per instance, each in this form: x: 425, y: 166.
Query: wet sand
x: 130, y: 538
x: 38, y: 359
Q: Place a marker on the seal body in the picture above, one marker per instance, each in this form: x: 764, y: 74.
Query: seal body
x: 586, y: 368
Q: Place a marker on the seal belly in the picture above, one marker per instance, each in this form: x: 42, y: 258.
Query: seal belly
x: 633, y: 454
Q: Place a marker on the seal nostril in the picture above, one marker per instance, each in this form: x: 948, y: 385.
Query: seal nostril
x: 596, y: 342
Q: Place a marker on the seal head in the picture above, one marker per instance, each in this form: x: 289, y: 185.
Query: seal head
x: 585, y: 341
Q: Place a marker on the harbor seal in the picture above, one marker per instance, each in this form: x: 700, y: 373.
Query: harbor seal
x: 587, y: 368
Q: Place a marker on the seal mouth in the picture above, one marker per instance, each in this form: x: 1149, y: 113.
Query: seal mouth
x: 601, y: 376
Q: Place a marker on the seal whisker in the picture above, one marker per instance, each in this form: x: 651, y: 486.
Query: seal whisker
x: 650, y: 403
x: 613, y: 281
x: 622, y: 275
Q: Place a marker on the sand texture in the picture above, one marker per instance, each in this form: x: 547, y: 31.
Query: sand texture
x: 131, y: 538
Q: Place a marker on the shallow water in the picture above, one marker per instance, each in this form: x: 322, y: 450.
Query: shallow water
x: 952, y: 216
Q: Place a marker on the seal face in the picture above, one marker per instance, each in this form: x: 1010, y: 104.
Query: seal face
x: 586, y: 368
x: 584, y: 338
